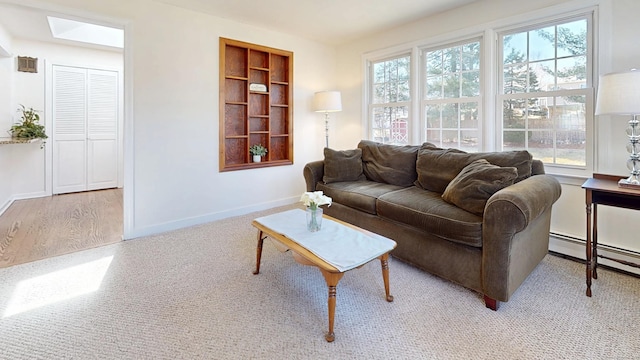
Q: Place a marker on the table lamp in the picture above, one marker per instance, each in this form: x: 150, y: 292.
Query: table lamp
x: 619, y: 94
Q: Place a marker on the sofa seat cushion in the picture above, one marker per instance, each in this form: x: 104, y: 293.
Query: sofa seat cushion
x: 359, y: 195
x: 426, y: 210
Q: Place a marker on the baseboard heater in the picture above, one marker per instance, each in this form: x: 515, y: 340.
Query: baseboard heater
x: 610, y: 257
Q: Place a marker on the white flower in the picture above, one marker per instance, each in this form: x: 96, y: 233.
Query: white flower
x: 314, y: 199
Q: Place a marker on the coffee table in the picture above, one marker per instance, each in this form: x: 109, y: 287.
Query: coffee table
x: 337, y: 248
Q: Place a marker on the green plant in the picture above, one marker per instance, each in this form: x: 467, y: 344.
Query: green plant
x: 258, y: 149
x: 28, y: 128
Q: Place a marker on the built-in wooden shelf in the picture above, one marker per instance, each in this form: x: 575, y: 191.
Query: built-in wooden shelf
x: 250, y: 117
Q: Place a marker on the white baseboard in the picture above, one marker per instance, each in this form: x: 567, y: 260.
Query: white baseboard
x: 13, y: 198
x: 576, y: 248
x: 179, y: 224
x: 6, y: 205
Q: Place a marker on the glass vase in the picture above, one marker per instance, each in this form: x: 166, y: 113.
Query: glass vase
x: 314, y: 219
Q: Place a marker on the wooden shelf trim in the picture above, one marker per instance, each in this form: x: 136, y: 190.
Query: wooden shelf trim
x: 255, y: 117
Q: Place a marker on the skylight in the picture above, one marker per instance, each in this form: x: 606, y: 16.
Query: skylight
x: 85, y: 32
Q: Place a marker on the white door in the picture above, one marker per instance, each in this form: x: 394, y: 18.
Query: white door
x: 85, y: 129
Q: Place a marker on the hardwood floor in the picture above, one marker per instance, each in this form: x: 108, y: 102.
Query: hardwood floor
x: 39, y: 228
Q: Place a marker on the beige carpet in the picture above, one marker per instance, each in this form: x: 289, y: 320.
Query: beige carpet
x: 191, y: 294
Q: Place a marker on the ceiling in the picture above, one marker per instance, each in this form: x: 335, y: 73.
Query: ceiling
x: 333, y: 22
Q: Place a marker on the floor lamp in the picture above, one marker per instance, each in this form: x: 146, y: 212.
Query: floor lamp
x: 619, y: 94
x: 326, y: 102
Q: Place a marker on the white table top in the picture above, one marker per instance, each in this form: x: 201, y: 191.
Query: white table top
x: 343, y: 247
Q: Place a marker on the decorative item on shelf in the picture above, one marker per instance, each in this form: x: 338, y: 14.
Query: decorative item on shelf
x: 326, y: 102
x: 619, y: 94
x: 28, y: 128
x: 258, y: 151
x: 313, y: 201
x: 258, y: 87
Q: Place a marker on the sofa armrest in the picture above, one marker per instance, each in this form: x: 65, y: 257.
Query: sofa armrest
x: 313, y: 173
x: 515, y: 233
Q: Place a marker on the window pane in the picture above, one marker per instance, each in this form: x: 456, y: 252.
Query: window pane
x: 542, y: 44
x: 572, y: 38
x: 471, y: 56
x: 542, y: 76
x: 571, y: 148
x: 469, y: 115
x: 451, y: 60
x: 515, y: 79
x: 434, y: 87
x: 513, y: 114
x: 433, y: 116
x: 471, y: 84
x: 514, y: 48
x: 451, y: 86
x: 434, y: 62
x: 450, y: 116
x: 541, y: 145
x: 391, y: 81
x: 391, y: 124
x: 572, y: 72
x: 450, y: 139
x: 538, y: 114
x: 433, y: 136
x: 469, y: 140
x: 513, y: 140
x: 570, y: 113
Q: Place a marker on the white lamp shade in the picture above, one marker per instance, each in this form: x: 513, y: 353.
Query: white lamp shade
x: 327, y: 101
x: 619, y: 94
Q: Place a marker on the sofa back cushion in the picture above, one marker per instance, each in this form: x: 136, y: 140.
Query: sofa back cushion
x: 476, y: 183
x: 436, y: 167
x: 390, y: 164
x: 342, y: 165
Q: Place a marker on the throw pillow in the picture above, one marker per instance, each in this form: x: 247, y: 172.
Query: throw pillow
x: 342, y: 165
x: 436, y: 167
x: 390, y: 164
x: 475, y: 184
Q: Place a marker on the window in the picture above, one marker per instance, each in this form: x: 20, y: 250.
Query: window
x: 451, y: 96
x: 535, y: 94
x: 390, y: 100
x: 545, y: 90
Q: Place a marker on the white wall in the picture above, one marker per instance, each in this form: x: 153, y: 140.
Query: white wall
x: 6, y: 81
x: 618, y: 51
x: 171, y: 125
x: 176, y: 175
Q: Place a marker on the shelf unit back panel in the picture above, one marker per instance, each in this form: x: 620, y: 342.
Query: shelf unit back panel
x: 255, y: 115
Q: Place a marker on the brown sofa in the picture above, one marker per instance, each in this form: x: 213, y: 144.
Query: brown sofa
x: 477, y: 219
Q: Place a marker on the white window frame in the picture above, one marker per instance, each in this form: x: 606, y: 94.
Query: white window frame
x: 459, y: 100
x: 369, y: 98
x: 588, y: 92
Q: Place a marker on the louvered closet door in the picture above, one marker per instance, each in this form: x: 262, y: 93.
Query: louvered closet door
x: 70, y: 129
x: 85, y: 121
x: 102, y: 130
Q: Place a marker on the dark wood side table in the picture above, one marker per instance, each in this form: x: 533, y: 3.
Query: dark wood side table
x: 604, y: 190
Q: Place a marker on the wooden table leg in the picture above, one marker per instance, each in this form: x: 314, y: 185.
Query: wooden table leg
x: 332, y: 280
x: 385, y: 275
x: 588, y: 247
x: 259, y: 252
x: 594, y: 257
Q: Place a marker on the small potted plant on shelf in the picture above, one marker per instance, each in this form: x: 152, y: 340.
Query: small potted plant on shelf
x: 258, y: 151
x: 28, y: 128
